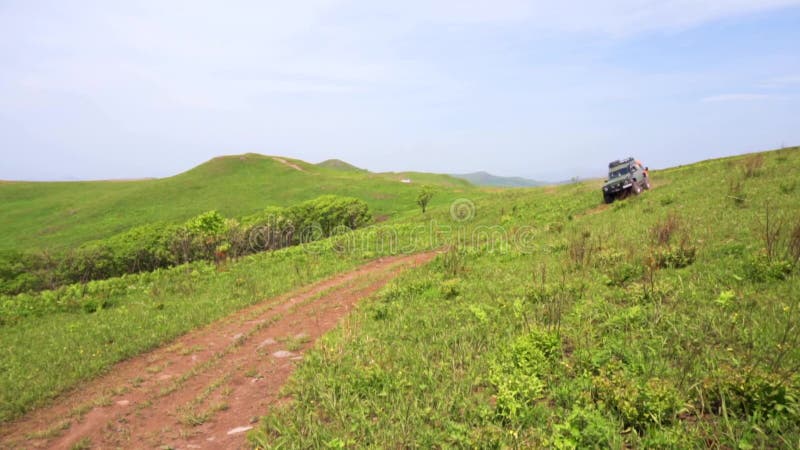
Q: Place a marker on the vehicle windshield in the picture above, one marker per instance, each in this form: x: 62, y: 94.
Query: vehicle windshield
x: 617, y: 172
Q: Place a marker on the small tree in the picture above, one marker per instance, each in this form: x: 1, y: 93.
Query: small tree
x: 424, y: 197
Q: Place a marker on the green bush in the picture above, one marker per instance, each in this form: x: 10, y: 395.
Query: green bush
x: 198, y: 238
x: 753, y: 393
x: 675, y: 257
x: 759, y: 268
x: 140, y: 249
x: 208, y: 236
x: 517, y: 373
x: 270, y: 229
x: 326, y: 216
x: 20, y: 272
x: 586, y: 428
x: 638, y: 403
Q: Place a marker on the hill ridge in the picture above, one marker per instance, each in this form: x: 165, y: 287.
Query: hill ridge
x: 64, y: 214
x: 484, y: 178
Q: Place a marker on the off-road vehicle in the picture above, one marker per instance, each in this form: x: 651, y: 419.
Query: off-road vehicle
x: 625, y: 176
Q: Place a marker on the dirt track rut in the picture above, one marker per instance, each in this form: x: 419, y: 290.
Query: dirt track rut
x: 206, y: 389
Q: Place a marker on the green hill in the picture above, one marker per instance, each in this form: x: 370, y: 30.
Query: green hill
x: 487, y: 179
x: 338, y: 164
x: 552, y: 320
x: 667, y: 320
x: 64, y: 214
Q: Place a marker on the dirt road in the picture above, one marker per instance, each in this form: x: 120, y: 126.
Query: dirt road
x: 208, y: 388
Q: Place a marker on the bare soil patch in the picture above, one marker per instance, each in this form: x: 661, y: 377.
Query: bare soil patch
x: 597, y: 209
x: 292, y: 165
x: 207, y: 388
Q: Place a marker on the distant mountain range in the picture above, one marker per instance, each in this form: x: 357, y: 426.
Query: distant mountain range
x: 487, y: 179
x: 476, y: 178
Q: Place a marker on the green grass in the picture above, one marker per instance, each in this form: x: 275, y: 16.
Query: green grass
x: 60, y: 215
x: 338, y: 164
x: 661, y: 321
x: 44, y: 354
x: 52, y: 340
x: 587, y: 338
x: 83, y: 444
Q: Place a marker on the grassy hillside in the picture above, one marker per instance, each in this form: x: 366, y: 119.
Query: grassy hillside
x: 339, y: 165
x: 64, y: 214
x: 668, y: 320
x: 487, y: 179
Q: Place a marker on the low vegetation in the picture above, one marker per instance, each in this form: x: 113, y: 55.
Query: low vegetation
x: 208, y: 237
x: 54, y: 339
x: 424, y: 197
x: 57, y: 216
x: 668, y: 320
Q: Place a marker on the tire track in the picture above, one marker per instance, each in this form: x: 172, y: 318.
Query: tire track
x: 209, y: 386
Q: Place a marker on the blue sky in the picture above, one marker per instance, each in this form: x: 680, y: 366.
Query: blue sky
x: 96, y: 89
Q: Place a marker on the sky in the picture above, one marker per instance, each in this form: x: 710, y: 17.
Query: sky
x: 546, y: 90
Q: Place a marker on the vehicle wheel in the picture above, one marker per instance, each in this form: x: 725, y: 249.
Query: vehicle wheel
x: 647, y: 184
x: 608, y: 198
x: 636, y: 189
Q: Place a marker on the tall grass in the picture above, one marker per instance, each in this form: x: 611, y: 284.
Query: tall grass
x: 635, y: 327
x: 658, y: 323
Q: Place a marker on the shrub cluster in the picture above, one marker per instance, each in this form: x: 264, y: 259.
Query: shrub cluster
x: 94, y: 295
x: 752, y: 393
x: 209, y: 237
x: 518, y: 373
x: 677, y: 257
x: 639, y: 403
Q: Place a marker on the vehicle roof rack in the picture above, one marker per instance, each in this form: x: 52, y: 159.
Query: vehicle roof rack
x: 620, y: 161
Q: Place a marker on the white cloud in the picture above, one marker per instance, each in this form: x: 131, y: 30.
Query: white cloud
x: 348, y: 74
x: 735, y: 97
